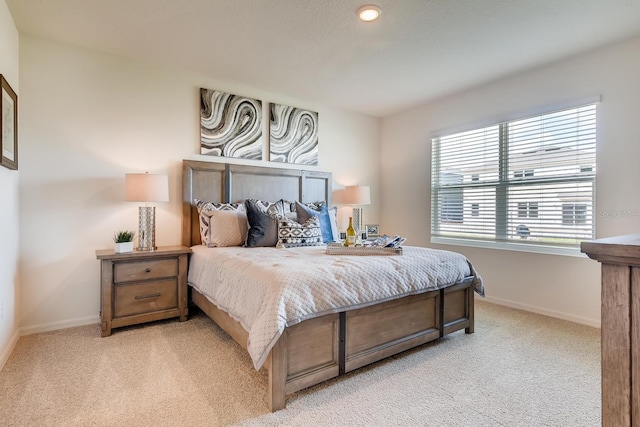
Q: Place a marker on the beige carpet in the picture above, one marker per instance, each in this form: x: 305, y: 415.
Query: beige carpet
x: 518, y: 369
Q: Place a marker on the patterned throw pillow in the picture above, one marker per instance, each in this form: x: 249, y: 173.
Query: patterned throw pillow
x: 286, y: 208
x: 292, y: 234
x: 326, y: 216
x: 222, y: 224
x: 333, y: 219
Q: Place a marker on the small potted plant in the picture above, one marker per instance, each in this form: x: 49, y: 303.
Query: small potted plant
x: 124, y: 241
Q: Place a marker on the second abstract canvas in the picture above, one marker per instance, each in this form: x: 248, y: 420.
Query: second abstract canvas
x: 293, y: 135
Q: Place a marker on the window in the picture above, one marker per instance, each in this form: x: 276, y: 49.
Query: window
x: 534, y: 178
x: 574, y: 214
x: 527, y: 209
x: 523, y: 173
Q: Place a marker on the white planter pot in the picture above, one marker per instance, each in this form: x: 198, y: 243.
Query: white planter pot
x: 124, y: 247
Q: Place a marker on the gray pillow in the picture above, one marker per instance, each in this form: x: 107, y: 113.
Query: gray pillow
x: 263, y: 228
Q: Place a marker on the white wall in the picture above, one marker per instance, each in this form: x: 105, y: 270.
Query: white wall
x: 9, y: 241
x: 562, y: 286
x: 87, y: 119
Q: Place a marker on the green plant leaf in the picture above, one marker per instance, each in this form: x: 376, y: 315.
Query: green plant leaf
x: 123, y: 236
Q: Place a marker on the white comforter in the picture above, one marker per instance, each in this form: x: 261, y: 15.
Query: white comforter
x: 268, y: 289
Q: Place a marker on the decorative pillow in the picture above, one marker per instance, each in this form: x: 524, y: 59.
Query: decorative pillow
x: 319, y: 209
x: 262, y: 218
x: 227, y: 228
x: 222, y: 224
x: 333, y: 218
x: 293, y: 234
x: 263, y: 228
x: 285, y: 208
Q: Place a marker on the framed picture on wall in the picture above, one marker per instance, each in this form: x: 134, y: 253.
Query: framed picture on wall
x: 9, y: 126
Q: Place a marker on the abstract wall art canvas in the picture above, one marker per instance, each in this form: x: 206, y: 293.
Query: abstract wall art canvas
x: 293, y: 135
x: 230, y: 125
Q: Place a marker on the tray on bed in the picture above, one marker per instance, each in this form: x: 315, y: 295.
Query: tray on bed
x: 339, y: 249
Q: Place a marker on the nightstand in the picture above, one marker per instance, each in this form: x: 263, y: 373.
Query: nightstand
x: 142, y: 286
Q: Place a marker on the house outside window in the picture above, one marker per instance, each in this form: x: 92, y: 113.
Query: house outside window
x: 535, y: 174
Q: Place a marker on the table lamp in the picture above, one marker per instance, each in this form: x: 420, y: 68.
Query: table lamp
x: 357, y: 195
x: 146, y: 187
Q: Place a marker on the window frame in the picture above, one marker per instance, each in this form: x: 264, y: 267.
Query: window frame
x: 524, y: 176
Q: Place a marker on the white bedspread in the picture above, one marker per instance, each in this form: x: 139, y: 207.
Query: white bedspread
x: 267, y: 289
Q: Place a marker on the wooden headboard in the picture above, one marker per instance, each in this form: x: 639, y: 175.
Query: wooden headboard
x: 226, y: 183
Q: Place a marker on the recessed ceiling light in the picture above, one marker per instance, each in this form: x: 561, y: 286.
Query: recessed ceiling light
x: 369, y: 13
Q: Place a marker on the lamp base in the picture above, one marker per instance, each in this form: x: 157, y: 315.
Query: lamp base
x: 357, y: 221
x: 146, y: 228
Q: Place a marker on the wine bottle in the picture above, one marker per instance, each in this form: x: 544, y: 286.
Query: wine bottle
x: 351, y: 234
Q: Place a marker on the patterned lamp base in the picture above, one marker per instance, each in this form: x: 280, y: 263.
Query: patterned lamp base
x: 147, y: 228
x: 357, y: 220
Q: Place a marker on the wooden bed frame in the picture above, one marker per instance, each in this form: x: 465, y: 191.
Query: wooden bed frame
x: 321, y: 348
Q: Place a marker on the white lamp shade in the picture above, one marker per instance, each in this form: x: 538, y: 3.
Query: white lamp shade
x: 357, y: 195
x: 146, y: 187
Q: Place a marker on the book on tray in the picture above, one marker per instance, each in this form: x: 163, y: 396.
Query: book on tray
x: 385, y: 241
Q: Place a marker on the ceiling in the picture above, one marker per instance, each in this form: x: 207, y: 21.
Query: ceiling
x: 418, y: 50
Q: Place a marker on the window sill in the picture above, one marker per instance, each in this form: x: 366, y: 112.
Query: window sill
x: 508, y: 246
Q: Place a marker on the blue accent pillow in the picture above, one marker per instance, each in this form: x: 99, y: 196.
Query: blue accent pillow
x: 305, y: 212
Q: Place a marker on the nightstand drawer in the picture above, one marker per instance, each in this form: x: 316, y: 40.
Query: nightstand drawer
x: 138, y: 298
x: 145, y: 270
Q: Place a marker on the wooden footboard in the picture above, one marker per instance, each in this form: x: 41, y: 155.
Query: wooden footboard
x: 379, y: 331
x: 318, y: 349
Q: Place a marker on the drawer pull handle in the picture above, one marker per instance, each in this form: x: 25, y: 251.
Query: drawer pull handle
x: 147, y: 296
x: 148, y: 270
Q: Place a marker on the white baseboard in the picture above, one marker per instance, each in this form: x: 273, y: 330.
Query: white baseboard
x: 9, y: 348
x: 46, y: 327
x: 54, y: 326
x: 552, y: 313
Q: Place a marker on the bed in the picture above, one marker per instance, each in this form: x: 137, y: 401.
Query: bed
x: 313, y: 340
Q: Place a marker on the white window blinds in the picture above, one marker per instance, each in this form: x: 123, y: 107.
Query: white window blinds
x: 528, y: 181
